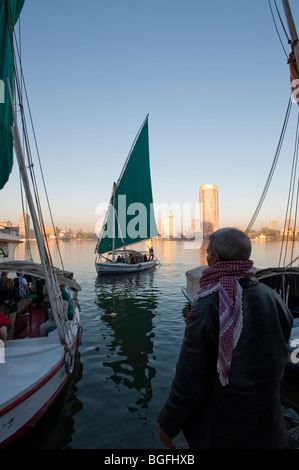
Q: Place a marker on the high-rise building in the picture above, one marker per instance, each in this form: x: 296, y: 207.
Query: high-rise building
x: 24, y: 224
x: 208, y: 197
x: 273, y: 224
x: 168, y: 225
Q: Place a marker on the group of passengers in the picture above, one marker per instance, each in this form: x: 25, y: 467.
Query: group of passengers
x: 136, y: 258
x: 13, y: 290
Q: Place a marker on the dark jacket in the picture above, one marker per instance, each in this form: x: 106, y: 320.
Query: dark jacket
x: 12, y: 296
x: 247, y: 412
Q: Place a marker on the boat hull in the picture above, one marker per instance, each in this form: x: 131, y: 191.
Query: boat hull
x: 23, y: 405
x: 123, y: 268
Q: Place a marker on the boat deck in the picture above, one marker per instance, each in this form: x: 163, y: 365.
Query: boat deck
x: 26, y: 356
x: 27, y: 360
x: 28, y: 326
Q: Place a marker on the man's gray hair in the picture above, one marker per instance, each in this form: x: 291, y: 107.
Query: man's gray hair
x: 230, y: 244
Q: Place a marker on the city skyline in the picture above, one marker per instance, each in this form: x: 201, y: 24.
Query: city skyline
x: 211, y: 118
x: 166, y: 226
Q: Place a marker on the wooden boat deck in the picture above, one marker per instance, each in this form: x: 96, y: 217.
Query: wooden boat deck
x: 28, y: 327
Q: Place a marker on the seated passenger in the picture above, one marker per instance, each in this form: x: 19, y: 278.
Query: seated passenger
x: 4, y: 325
x: 46, y: 301
x: 66, y: 296
x: 21, y: 284
x: 39, y: 292
x: 3, y: 278
x: 9, y: 298
x: 49, y: 325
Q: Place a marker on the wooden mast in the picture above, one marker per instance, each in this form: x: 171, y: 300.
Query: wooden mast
x: 50, y: 276
x: 293, y: 31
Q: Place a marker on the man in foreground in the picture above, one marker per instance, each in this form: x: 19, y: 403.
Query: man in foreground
x: 226, y: 389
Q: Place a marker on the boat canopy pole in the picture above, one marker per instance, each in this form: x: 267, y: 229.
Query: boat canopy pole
x: 121, y: 235
x: 113, y: 223
x: 50, y: 276
x: 104, y: 223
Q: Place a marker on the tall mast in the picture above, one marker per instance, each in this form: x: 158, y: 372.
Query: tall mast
x: 50, y: 276
x: 293, y: 31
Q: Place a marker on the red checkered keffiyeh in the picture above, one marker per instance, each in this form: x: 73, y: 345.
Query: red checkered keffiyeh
x: 222, y: 276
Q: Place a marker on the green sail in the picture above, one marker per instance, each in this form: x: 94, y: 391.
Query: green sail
x: 133, y: 219
x: 9, y: 14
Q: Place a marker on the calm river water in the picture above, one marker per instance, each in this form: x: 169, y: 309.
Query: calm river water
x: 132, y: 332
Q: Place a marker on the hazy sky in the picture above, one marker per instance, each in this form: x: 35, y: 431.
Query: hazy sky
x: 212, y: 75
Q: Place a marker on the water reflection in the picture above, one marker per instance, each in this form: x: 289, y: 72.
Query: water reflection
x: 127, y: 306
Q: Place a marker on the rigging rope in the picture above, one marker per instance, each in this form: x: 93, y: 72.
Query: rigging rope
x: 276, y: 26
x: 19, y: 82
x: 270, y: 176
x: 281, y: 22
x: 287, y: 224
x: 28, y: 254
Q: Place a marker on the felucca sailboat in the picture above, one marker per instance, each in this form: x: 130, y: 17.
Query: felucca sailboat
x: 39, y: 354
x: 131, y: 195
x: 284, y: 278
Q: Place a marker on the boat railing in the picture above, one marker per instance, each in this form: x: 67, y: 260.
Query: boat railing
x: 9, y: 230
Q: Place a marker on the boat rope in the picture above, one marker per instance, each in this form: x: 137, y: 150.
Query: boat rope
x: 290, y: 231
x: 281, y: 22
x: 292, y: 262
x: 277, y: 27
x: 28, y: 253
x: 274, y: 163
x: 20, y: 83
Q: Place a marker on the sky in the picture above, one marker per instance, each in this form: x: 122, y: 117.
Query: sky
x: 212, y: 75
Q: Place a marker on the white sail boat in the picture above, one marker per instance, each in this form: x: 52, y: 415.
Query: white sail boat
x: 34, y: 366
x: 122, y: 227
x: 9, y: 240
x: 284, y: 278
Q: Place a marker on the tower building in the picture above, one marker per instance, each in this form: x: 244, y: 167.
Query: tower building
x: 208, y: 197
x: 24, y: 225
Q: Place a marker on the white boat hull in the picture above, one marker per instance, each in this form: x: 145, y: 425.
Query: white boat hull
x: 33, y: 373
x: 110, y: 267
